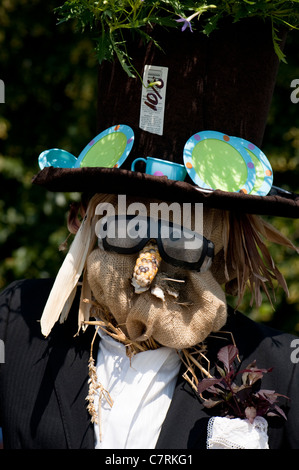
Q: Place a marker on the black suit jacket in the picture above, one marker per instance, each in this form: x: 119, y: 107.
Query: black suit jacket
x: 43, y: 382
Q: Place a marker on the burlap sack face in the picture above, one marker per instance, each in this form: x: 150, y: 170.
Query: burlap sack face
x: 190, y: 311
x: 178, y: 322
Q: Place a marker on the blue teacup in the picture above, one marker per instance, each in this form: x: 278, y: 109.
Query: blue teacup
x: 157, y: 167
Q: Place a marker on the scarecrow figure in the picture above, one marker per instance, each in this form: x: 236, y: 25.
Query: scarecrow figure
x: 116, y: 352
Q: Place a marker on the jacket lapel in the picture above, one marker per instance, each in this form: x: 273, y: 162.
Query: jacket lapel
x: 69, y: 367
x: 185, y: 425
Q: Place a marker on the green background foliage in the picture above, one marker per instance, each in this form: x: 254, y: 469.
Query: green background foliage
x: 50, y: 76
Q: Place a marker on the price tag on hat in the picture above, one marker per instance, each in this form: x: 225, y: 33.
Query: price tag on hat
x: 153, y: 99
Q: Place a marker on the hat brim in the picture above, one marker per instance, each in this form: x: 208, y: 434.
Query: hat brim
x: 133, y: 183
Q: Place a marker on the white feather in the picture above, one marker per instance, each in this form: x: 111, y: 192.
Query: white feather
x: 64, y: 288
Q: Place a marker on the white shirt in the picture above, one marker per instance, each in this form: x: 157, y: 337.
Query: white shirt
x: 141, y: 389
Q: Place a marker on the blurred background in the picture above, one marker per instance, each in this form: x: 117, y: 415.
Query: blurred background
x: 50, y: 76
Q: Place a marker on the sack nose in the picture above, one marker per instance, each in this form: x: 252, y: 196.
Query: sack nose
x: 139, y: 329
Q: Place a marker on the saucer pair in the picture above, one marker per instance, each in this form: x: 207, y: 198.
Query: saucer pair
x: 213, y: 160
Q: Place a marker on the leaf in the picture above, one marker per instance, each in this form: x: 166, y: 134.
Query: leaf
x: 252, y: 365
x: 250, y: 377
x: 227, y: 355
x: 104, y: 48
x: 218, y: 389
x: 279, y: 411
x: 211, y: 402
x: 270, y: 395
x: 276, y: 44
x: 206, y: 383
x: 243, y: 394
x: 220, y: 370
x: 123, y: 57
x: 212, y: 23
x: 252, y: 374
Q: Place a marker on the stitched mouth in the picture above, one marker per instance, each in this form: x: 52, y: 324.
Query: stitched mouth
x: 173, y: 286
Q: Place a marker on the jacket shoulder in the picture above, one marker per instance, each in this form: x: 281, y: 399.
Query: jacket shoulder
x: 252, y: 332
x: 23, y: 300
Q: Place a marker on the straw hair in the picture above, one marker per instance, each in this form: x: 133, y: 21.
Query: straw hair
x: 247, y: 260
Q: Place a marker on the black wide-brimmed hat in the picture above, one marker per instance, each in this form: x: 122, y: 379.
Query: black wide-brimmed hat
x: 222, y: 83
